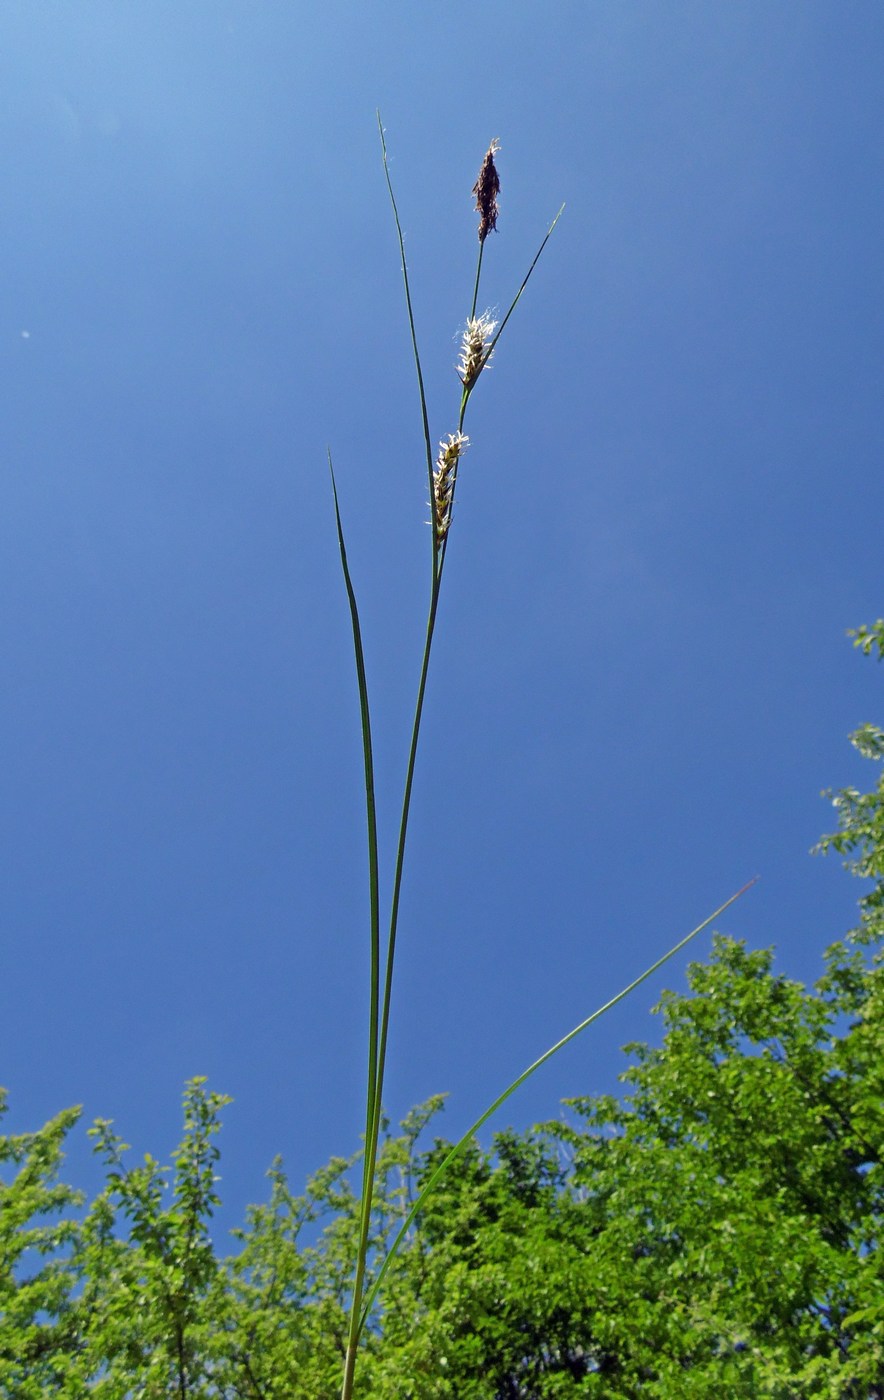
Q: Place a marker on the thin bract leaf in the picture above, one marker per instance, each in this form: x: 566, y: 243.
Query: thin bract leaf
x: 501, y: 1099
x: 535, y: 260
x: 428, y: 446
x: 375, y: 970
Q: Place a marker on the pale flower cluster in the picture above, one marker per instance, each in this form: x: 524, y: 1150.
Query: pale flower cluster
x: 444, y: 478
x: 476, y: 348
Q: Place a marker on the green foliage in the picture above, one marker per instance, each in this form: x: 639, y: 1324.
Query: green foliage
x: 860, y: 834
x: 715, y: 1233
x: 37, y: 1321
x: 867, y: 638
x: 712, y: 1233
x: 148, y: 1268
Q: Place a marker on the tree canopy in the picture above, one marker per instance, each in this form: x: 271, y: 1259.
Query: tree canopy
x: 713, y: 1231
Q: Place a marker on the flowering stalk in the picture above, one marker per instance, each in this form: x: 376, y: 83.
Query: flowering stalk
x: 479, y: 339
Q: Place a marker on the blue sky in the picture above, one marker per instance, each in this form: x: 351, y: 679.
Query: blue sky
x: 668, y: 518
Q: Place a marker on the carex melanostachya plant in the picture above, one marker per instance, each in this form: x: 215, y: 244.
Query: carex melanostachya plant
x: 479, y: 341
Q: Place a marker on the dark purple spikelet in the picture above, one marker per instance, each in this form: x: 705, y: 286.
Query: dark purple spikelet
x: 486, y: 189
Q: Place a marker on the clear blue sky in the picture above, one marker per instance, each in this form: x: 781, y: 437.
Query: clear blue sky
x: 669, y: 516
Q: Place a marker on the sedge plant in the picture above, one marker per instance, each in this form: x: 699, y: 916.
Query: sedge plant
x: 479, y: 341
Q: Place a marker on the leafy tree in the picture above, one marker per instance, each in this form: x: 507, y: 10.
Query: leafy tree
x: 36, y: 1317
x: 712, y: 1233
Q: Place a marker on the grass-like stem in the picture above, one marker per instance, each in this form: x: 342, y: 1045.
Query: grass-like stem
x: 478, y: 276
x: 379, y: 1027
x: 379, y: 1003
x: 381, y: 975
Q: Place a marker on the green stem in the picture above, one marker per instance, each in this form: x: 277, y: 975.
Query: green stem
x: 476, y: 285
x: 438, y: 561
x: 379, y: 1033
x: 400, y: 860
x: 379, y: 1025
x: 373, y: 1128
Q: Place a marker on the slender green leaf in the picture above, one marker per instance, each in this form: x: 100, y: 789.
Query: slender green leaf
x: 501, y: 1099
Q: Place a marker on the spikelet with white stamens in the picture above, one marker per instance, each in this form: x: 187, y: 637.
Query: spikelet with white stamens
x: 475, y: 348
x: 444, y: 478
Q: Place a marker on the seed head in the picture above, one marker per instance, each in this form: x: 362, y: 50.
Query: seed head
x: 475, y: 348
x: 486, y: 189
x: 444, y: 478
